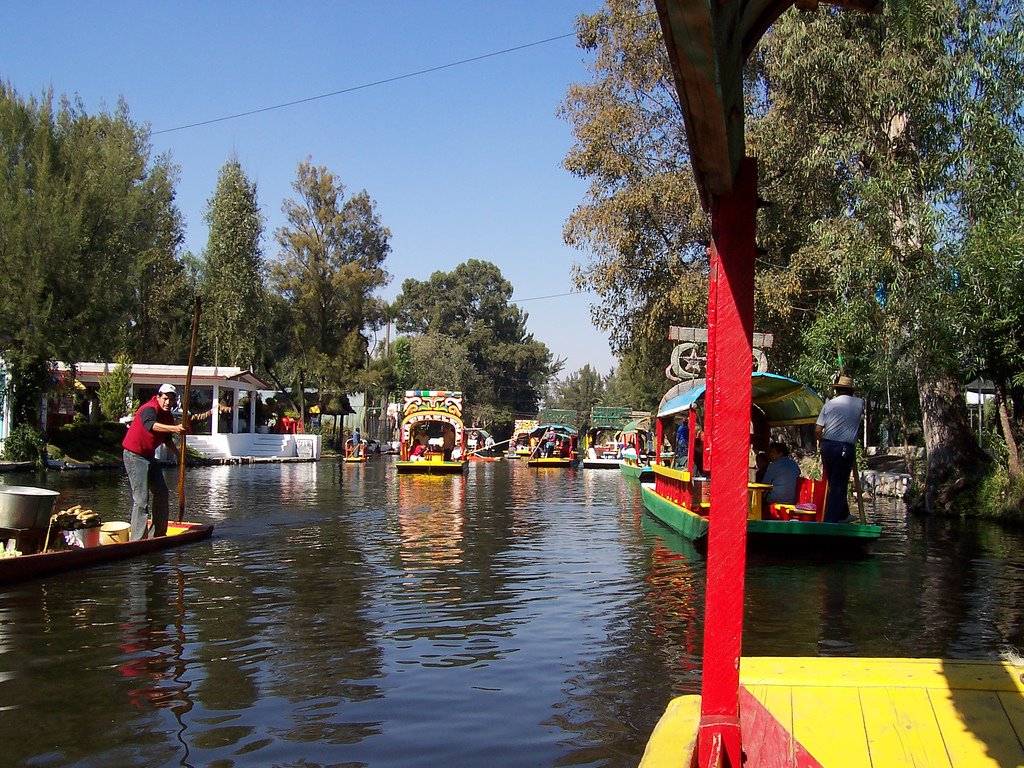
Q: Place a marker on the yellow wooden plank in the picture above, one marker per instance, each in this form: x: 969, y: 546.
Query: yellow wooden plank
x: 976, y: 729
x: 829, y: 724
x: 1013, y: 705
x: 901, y: 728
x: 886, y: 673
x: 779, y: 701
x: 675, y: 736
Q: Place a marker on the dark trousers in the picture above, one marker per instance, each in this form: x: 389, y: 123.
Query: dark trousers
x: 837, y: 461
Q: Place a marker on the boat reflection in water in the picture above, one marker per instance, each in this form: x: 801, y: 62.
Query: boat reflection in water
x: 431, y: 516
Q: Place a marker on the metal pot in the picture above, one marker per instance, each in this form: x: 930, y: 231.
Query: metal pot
x: 23, y: 506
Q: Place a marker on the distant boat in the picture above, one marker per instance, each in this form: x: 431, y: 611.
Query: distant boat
x: 476, y: 441
x: 635, y: 461
x: 433, y: 439
x: 601, y: 444
x: 555, y: 446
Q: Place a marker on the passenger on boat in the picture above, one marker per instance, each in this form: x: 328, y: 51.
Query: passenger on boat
x: 782, y: 474
x: 682, y: 443
x: 547, y: 446
x: 152, y: 427
x: 836, y: 430
x: 761, y: 464
x: 448, y: 442
x: 419, y: 449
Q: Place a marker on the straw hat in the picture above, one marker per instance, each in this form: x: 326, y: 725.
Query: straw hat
x: 844, y: 382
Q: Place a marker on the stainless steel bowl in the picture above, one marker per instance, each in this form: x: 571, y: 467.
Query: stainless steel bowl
x: 22, y: 506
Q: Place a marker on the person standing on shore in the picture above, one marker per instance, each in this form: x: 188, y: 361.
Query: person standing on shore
x: 836, y: 431
x: 152, y: 427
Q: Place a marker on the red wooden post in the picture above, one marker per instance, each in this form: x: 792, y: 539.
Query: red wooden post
x: 730, y: 330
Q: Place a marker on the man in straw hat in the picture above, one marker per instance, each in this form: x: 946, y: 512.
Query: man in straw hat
x: 836, y: 431
x: 152, y: 427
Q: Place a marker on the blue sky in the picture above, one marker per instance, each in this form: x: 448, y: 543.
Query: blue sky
x: 463, y: 162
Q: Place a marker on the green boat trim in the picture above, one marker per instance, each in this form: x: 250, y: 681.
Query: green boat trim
x: 810, y: 528
x: 644, y: 474
x: 679, y: 519
x: 775, y: 532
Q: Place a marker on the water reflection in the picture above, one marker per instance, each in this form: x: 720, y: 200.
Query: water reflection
x: 345, y: 615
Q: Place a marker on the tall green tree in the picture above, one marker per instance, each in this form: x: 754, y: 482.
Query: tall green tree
x: 235, y: 305
x: 472, y: 305
x: 580, y: 391
x: 331, y: 260
x: 890, y: 126
x: 641, y: 220
x: 883, y: 143
x: 90, y: 234
x: 440, y: 362
x: 114, y: 388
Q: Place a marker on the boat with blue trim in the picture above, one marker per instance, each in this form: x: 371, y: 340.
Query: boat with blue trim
x: 680, y: 495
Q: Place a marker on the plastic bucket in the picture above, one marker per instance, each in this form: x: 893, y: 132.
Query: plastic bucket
x: 114, y: 533
x: 87, y: 537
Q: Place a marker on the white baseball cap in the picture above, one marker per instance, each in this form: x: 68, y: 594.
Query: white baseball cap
x: 167, y: 389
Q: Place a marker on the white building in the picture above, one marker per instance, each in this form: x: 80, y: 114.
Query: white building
x: 241, y: 431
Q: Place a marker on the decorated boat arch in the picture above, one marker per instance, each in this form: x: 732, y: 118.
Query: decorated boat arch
x: 432, y: 435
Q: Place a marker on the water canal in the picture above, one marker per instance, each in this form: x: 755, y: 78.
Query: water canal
x: 345, y: 616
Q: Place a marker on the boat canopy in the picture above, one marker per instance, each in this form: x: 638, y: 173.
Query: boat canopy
x: 781, y: 399
x: 637, y: 425
x: 540, y: 429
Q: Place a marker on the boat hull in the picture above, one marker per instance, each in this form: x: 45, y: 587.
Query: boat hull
x: 764, y: 534
x: 642, y: 474
x: 430, y: 467
x: 24, y: 567
x: 600, y: 463
x: 679, y: 519
x: 552, y: 463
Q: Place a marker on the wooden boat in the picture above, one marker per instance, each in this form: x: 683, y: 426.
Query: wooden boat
x: 23, y: 567
x: 635, y: 461
x: 562, y: 454
x: 476, y: 440
x: 355, y: 454
x: 602, y: 444
x: 519, y: 445
x: 680, y: 496
x: 433, y: 439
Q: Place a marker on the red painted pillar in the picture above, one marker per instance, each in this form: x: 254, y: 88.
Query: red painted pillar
x: 730, y: 330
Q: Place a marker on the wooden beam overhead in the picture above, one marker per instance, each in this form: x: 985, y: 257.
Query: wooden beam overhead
x: 708, y: 44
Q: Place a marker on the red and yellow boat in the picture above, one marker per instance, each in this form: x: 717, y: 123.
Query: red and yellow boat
x: 433, y: 439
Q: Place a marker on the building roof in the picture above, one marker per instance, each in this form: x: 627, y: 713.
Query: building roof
x: 146, y: 374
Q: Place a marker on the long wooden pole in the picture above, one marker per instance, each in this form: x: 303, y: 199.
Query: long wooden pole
x: 859, y: 490
x: 478, y: 450
x: 184, y: 409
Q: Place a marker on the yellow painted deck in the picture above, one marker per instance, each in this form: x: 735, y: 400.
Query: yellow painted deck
x: 877, y: 713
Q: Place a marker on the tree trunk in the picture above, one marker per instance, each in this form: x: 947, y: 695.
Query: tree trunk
x: 1012, y: 457
x: 954, y: 457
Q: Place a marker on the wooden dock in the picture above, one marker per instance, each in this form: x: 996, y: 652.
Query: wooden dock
x: 876, y: 713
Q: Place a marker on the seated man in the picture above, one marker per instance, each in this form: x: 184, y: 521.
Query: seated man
x: 782, y: 474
